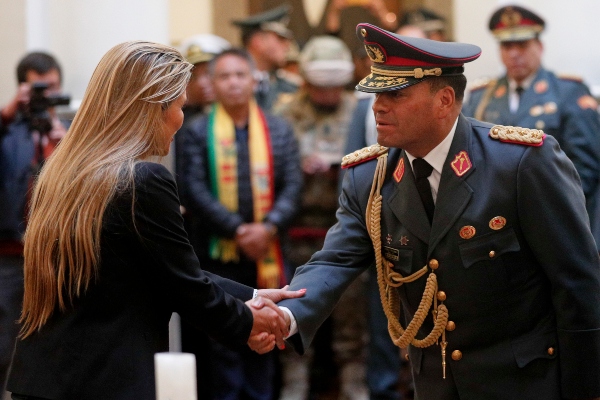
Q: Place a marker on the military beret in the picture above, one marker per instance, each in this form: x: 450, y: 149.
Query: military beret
x: 515, y: 23
x: 273, y: 20
x: 203, y: 48
x: 402, y: 61
x: 425, y: 19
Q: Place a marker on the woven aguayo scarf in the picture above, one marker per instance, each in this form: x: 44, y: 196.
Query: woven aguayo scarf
x: 222, y: 157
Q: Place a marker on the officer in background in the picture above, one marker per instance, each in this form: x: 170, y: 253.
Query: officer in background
x: 487, y: 268
x: 267, y: 38
x: 530, y: 96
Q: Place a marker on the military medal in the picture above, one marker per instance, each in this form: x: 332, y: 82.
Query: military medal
x: 536, y: 111
x: 540, y: 87
x: 467, y: 232
x: 461, y: 163
x: 403, y: 240
x: 497, y: 223
x: 388, y: 239
x: 550, y: 107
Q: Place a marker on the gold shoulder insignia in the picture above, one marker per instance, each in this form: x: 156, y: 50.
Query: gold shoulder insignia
x: 516, y: 134
x: 481, y: 83
x: 569, y: 77
x: 362, y: 155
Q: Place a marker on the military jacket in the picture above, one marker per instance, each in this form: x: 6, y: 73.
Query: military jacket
x: 522, y: 288
x: 563, y: 108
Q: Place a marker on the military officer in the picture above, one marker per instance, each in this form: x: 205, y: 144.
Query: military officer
x: 487, y: 268
x: 267, y: 38
x: 530, y: 96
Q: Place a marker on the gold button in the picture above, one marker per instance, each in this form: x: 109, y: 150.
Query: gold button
x: 407, y: 357
x: 363, y: 32
x: 456, y: 355
x: 434, y: 264
x: 450, y: 326
x: 492, y: 254
x: 550, y: 351
x: 441, y: 296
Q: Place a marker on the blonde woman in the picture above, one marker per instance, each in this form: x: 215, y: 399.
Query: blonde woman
x: 106, y: 257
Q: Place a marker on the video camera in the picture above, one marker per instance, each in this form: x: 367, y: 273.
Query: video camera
x: 37, y: 113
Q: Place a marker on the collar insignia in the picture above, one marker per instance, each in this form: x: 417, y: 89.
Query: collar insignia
x: 461, y: 163
x: 399, y: 171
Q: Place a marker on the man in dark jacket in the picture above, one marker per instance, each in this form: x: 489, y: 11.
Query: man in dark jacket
x: 27, y: 137
x: 242, y: 180
x: 487, y: 268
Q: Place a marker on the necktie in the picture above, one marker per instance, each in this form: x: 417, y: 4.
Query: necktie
x: 519, y: 91
x: 422, y: 170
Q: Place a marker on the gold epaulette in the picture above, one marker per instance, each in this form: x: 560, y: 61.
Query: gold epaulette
x: 569, y: 77
x: 362, y: 155
x: 480, y: 83
x: 516, y: 134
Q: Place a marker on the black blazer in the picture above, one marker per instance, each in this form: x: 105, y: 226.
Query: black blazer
x: 103, y: 346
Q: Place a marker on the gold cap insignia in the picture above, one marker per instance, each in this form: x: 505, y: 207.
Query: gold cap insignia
x: 467, y: 232
x: 497, y: 223
x: 375, y: 53
x: 511, y: 17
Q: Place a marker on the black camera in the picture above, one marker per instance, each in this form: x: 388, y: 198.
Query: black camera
x: 37, y: 113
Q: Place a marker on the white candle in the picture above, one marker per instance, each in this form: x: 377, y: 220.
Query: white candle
x: 175, y: 376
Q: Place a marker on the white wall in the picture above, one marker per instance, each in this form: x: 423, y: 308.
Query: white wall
x: 79, y: 32
x: 570, y: 40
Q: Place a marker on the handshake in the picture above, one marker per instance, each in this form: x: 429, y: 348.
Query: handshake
x: 271, y: 324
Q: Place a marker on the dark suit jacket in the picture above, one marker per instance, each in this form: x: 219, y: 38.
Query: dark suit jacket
x: 540, y: 290
x: 103, y: 346
x: 552, y: 104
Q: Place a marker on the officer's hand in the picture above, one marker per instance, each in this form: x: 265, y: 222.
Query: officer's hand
x: 268, y: 318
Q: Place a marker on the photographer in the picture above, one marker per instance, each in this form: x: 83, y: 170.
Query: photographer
x: 29, y: 131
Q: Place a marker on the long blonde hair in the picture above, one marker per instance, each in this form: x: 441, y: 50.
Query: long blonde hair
x: 120, y: 121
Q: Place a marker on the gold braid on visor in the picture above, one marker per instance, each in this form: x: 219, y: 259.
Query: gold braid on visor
x: 415, y: 73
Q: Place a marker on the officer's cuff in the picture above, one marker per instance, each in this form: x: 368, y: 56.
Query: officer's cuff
x: 293, y: 324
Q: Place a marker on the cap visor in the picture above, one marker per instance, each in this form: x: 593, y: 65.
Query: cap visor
x: 375, y: 83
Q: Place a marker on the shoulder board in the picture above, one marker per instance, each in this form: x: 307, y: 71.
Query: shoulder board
x: 481, y: 83
x: 518, y: 135
x: 569, y: 77
x: 362, y: 155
